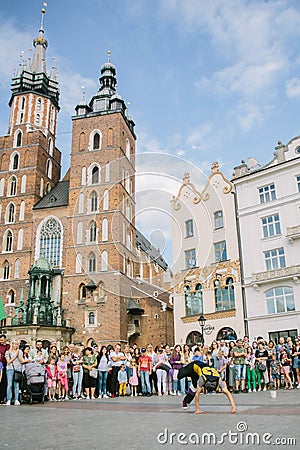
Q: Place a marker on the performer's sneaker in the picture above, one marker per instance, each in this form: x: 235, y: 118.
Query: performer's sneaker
x: 184, y: 404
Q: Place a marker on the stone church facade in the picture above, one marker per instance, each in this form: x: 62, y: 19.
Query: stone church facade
x: 73, y: 265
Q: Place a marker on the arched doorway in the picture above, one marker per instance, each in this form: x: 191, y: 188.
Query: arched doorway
x: 226, y: 334
x: 194, y: 337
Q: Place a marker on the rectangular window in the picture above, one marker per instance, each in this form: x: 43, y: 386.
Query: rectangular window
x: 220, y: 251
x: 218, y: 219
x: 271, y: 225
x: 267, y: 193
x: 276, y: 335
x: 189, y: 228
x: 190, y: 258
x: 275, y: 259
x: 298, y: 182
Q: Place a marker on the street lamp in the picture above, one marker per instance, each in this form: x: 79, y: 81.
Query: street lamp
x: 202, y: 321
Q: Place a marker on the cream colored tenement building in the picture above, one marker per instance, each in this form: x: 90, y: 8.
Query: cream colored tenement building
x: 206, y: 266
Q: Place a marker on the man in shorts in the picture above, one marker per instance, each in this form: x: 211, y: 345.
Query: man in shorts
x: 203, y: 375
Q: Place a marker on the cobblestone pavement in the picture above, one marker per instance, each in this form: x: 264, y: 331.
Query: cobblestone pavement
x: 154, y: 423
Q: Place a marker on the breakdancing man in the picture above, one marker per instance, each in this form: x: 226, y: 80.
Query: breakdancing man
x: 203, y: 375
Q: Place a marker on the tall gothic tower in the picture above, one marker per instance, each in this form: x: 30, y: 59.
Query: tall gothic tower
x: 29, y: 164
x: 101, y: 238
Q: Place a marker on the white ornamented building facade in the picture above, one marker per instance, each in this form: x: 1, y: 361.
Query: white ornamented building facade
x: 268, y: 211
x: 206, y: 266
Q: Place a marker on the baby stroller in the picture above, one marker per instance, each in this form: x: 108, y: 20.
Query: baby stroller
x: 33, y: 383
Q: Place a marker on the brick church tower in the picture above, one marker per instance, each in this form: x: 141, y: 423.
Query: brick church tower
x: 29, y: 164
x: 101, y: 241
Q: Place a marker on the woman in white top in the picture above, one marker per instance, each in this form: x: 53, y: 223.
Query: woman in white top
x: 14, y: 359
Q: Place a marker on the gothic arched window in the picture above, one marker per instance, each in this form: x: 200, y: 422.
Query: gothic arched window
x: 14, y: 161
x: 93, y: 231
x: 12, y: 186
x: 94, y: 201
x: 96, y: 141
x: 8, y: 241
x: 92, y: 262
x: 51, y: 241
x: 104, y: 261
x: 95, y: 175
x: 6, y: 270
x: 10, y: 213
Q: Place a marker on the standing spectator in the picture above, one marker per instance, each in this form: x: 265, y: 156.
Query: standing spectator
x: 222, y: 364
x: 198, y: 354
x: 187, y: 359
x: 271, y: 350
x: 240, y: 354
x: 153, y: 377
x: 51, y: 372
x: 281, y: 346
x: 144, y: 372
x: 169, y: 376
x: 53, y: 353
x: 214, y: 354
x: 250, y: 370
x: 160, y: 359
x: 122, y: 379
x: 39, y: 347
x: 77, y: 372
x: 89, y: 363
x: 103, y: 367
x: 14, y: 363
x: 62, y: 377
x: 224, y: 348
x: 128, y: 355
x: 261, y: 356
x: 4, y: 347
x: 296, y: 362
x: 175, y: 361
x: 133, y: 377
x: 285, y: 363
x: 275, y: 371
x: 117, y: 357
x: 231, y: 371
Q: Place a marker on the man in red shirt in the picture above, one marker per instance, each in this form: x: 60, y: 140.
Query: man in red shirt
x: 144, y: 372
x: 4, y: 347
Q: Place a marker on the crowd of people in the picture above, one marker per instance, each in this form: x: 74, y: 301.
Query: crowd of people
x: 78, y: 372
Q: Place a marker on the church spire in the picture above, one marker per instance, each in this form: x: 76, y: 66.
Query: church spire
x: 33, y: 77
x: 40, y: 45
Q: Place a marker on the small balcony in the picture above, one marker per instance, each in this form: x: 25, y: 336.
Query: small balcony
x: 293, y: 233
x: 291, y: 272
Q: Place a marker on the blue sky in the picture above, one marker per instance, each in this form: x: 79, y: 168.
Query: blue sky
x: 204, y: 80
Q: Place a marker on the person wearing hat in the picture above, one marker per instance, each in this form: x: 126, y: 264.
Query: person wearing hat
x: 144, y: 372
x: 203, y: 375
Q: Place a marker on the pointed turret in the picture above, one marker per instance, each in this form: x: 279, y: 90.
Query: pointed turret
x: 40, y: 44
x: 107, y: 99
x: 32, y: 77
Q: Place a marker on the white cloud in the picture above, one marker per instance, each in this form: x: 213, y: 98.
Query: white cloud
x: 199, y: 136
x: 252, y: 41
x: 293, y: 87
x: 71, y: 91
x: 12, y: 42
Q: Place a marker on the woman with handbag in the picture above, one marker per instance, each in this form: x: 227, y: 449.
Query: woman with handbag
x: 261, y: 356
x: 14, y: 358
x: 77, y: 372
x: 90, y: 373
